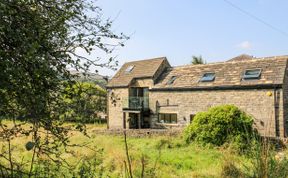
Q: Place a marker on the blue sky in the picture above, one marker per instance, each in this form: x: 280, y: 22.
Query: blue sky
x: 211, y: 28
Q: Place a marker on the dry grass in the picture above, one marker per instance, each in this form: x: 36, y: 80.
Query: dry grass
x: 176, y: 159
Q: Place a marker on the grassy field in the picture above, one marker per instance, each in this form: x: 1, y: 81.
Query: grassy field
x: 163, y: 156
x: 176, y: 159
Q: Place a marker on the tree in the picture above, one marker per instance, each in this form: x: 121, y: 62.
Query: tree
x: 39, y: 41
x: 83, y: 101
x: 197, y: 60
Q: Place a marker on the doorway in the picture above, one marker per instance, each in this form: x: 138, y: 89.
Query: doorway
x: 134, y: 121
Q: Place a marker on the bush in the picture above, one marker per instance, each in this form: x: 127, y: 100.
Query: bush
x: 219, y: 125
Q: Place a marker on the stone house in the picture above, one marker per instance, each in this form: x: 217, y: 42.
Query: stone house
x: 152, y: 94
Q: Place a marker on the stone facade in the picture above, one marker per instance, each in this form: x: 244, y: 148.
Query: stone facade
x: 285, y: 103
x: 257, y: 103
x: 149, y: 83
x: 265, y: 99
x: 186, y: 103
x: 116, y: 101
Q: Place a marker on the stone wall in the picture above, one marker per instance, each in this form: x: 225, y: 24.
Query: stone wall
x: 161, y: 69
x: 256, y: 102
x: 116, y: 101
x: 142, y: 83
x: 285, y: 102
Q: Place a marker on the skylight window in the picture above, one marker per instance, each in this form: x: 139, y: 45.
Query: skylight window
x: 252, y: 74
x: 171, y: 80
x: 129, y: 69
x: 208, y: 77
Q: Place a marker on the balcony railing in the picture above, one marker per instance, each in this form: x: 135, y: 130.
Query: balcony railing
x: 136, y: 103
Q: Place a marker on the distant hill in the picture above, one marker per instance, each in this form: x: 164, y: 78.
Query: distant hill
x: 91, y: 77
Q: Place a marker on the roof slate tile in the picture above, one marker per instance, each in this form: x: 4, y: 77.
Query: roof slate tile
x: 227, y: 73
x: 143, y: 68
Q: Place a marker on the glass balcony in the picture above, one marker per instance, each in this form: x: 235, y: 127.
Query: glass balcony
x: 136, y: 103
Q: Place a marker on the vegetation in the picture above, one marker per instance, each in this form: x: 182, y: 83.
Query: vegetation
x: 40, y: 41
x: 263, y: 160
x: 83, y: 102
x: 163, y: 156
x: 220, y: 125
x: 197, y: 60
x: 101, y: 155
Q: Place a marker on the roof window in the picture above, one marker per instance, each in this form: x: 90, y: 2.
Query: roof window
x: 208, y: 77
x: 171, y: 80
x: 252, y: 74
x: 129, y: 69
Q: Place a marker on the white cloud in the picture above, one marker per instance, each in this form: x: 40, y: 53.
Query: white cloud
x: 245, y: 45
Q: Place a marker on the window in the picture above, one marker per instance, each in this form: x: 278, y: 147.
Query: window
x: 171, y: 80
x: 208, y: 77
x: 252, y: 74
x: 192, y: 117
x: 129, y: 69
x: 168, y: 118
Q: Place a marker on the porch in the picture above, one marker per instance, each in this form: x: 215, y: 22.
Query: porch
x: 135, y: 119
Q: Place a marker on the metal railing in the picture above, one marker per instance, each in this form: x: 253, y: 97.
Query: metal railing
x: 136, y: 103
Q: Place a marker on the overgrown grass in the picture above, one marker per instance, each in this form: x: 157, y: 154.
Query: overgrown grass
x: 162, y: 156
x: 176, y: 158
x: 169, y: 156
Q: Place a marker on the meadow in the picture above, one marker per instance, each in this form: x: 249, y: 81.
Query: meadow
x: 104, y: 155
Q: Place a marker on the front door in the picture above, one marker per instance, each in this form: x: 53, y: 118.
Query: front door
x: 134, y: 121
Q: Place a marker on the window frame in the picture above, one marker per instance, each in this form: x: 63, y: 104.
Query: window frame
x: 171, y: 80
x: 169, y: 119
x: 206, y: 80
x: 253, y: 77
x: 129, y: 69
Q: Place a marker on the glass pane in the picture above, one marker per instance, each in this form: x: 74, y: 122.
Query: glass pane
x: 166, y: 120
x: 252, y: 74
x: 208, y: 77
x: 161, y: 118
x: 129, y: 69
x: 146, y: 92
x: 140, y: 92
x: 133, y: 92
x: 146, y: 97
x: 171, y: 80
x: 173, y: 118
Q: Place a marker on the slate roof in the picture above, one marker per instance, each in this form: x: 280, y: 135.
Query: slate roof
x: 142, y: 69
x: 227, y: 73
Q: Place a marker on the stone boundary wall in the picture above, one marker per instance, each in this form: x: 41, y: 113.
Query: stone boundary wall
x: 140, y: 132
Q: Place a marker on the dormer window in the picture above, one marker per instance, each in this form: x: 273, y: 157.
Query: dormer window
x: 171, y: 80
x: 129, y: 69
x: 208, y: 77
x: 252, y: 74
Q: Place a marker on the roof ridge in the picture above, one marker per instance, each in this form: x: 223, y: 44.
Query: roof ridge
x: 224, y: 62
x: 143, y: 60
x: 270, y: 57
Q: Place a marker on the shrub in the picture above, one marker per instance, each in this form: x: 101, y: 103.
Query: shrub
x: 219, y: 125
